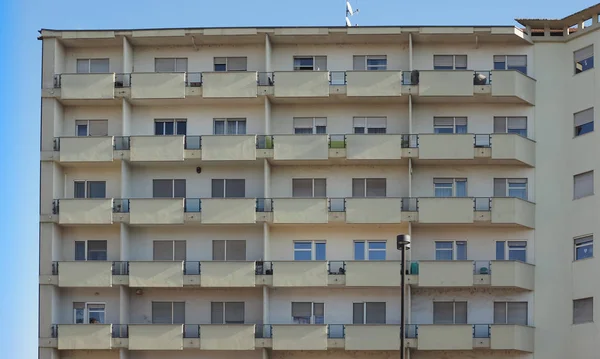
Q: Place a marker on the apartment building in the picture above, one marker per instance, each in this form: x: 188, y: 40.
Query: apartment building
x: 226, y: 192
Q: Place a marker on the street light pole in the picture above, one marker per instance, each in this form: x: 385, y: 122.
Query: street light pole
x: 402, y: 243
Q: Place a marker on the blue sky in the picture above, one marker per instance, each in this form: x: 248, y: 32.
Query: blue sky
x: 20, y: 55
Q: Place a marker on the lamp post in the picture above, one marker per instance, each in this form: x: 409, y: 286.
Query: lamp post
x: 402, y: 243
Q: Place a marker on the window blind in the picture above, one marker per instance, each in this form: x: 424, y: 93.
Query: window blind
x: 234, y: 312
x: 584, y: 53
x: 584, y: 117
x: 358, y: 313
x: 375, y: 313
x: 583, y: 310
x: 583, y: 184
x: 359, y: 63
x: 443, y: 61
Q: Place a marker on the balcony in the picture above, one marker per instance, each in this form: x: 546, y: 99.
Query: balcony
x: 372, y: 337
x: 301, y: 84
x: 446, y: 147
x: 373, y: 273
x: 86, y: 86
x: 227, y: 337
x: 84, y: 336
x: 156, y: 337
x: 228, y: 210
x: 445, y: 273
x: 445, y: 337
x: 155, y: 274
x: 511, y: 210
x: 445, y: 83
x: 513, y: 84
x: 156, y: 148
x: 157, y: 85
x: 152, y: 211
x: 84, y: 210
x: 299, y: 337
x: 446, y: 210
x: 373, y: 83
x: 84, y: 274
x: 300, y: 210
x: 512, y: 337
x: 85, y: 149
x: 301, y: 147
x: 513, y: 274
x: 229, y: 148
x: 228, y: 274
x: 373, y: 210
x: 513, y: 147
x: 375, y: 147
x: 300, y: 274
x: 229, y: 84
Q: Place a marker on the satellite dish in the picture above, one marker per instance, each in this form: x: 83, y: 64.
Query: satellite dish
x: 349, y: 9
x: 348, y: 23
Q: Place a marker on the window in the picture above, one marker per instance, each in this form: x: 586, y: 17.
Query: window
x: 375, y: 313
x: 227, y: 312
x: 92, y: 66
x: 449, y: 125
x: 310, y: 63
x: 229, y: 250
x: 230, y: 63
x: 91, y: 128
x: 510, y: 313
x: 229, y: 126
x: 310, y: 250
x: 169, y: 251
x: 228, y: 188
x: 584, y: 59
x: 511, y: 62
x: 89, y: 313
x: 510, y: 187
x: 89, y: 189
x: 309, y: 187
x: 584, y: 122
x: 370, y: 63
x: 583, y: 185
x: 168, y: 188
x: 511, y: 250
x: 450, y: 250
x: 310, y: 125
x: 584, y: 247
x: 449, y: 62
x: 583, y: 310
x: 450, y: 187
x: 370, y: 124
x: 165, y: 127
x: 517, y: 125
x: 170, y: 64
x: 371, y: 250
x: 90, y: 250
x: 449, y: 312
x: 168, y: 312
x: 369, y: 187
x: 308, y: 313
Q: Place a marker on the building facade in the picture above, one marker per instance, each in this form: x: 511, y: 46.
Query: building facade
x: 225, y: 192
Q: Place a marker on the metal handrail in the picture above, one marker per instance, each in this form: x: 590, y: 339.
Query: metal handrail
x: 193, y: 79
x: 265, y: 78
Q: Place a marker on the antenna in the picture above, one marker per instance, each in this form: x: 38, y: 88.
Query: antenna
x: 349, y: 13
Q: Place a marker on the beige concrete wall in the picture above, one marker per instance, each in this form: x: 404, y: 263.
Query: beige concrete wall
x: 228, y: 210
x: 373, y: 147
x: 156, y: 148
x: 227, y: 337
x: 229, y: 148
x: 513, y: 274
x: 110, y: 112
x: 300, y: 210
x: 84, y: 336
x: 373, y: 210
x: 156, y: 337
x: 229, y: 84
x: 157, y: 85
x: 299, y: 337
x: 513, y: 210
x: 446, y: 147
x: 106, y: 172
x: 301, y: 147
x: 109, y: 296
x: 156, y: 211
x: 372, y: 337
x: 507, y: 146
x: 445, y: 337
x: 227, y: 274
x: 300, y: 273
x: 301, y: 84
x: 68, y: 235
x: 372, y: 273
x: 114, y: 55
x: 52, y: 115
x: 86, y: 149
x: 446, y: 83
x: 155, y: 274
x: 85, y: 274
x: 87, y: 86
x: 446, y: 210
x: 374, y: 83
x: 446, y: 273
x: 85, y: 211
x: 512, y: 337
x: 513, y: 84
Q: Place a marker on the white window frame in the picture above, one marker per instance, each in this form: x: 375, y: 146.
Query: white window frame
x: 312, y: 313
x: 314, y: 62
x: 226, y: 122
x: 368, y: 248
x: 575, y: 126
x: 454, y: 181
x: 315, y: 121
x: 575, y: 62
x: 173, y: 241
x: 506, y: 309
x: 225, y: 256
x: 506, y: 61
x: 453, y: 61
x: 312, y: 250
x: 363, y: 122
x: 175, y: 122
x: 365, y: 181
x: 589, y: 242
x: 86, y: 316
x: 368, y: 67
x: 172, y: 186
x: 453, y: 310
x: 225, y: 186
x: 364, y: 316
x: 312, y: 181
x: 227, y: 58
x: 174, y: 63
x: 85, y: 254
x: 172, y: 302
x: 224, y: 308
x: 454, y: 248
x: 593, y: 187
x: 85, y: 191
x: 511, y: 245
x: 453, y: 126
x: 507, y: 121
x: 89, y: 65
x: 87, y: 127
